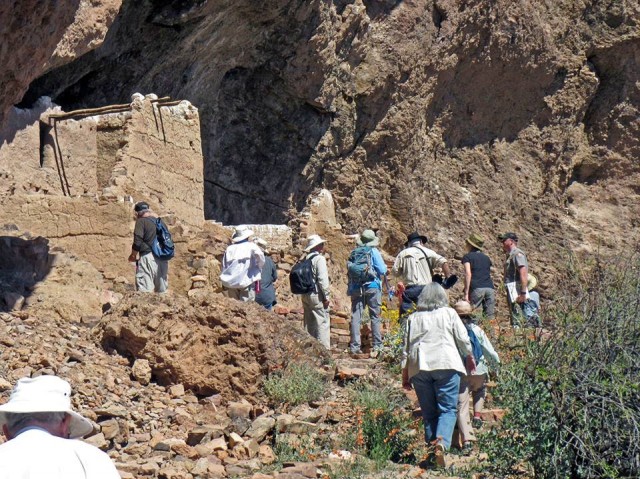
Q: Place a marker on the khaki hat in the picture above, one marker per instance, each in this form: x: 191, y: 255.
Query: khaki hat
x: 241, y: 233
x: 532, y: 282
x: 313, y: 241
x: 368, y: 238
x: 264, y: 246
x: 45, y: 394
x: 463, y: 308
x: 475, y: 240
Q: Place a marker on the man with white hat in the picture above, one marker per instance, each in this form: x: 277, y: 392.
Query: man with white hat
x: 242, y: 265
x: 316, y: 304
x: 42, y: 430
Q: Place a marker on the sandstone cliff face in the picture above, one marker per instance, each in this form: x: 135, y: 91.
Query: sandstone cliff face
x: 444, y: 116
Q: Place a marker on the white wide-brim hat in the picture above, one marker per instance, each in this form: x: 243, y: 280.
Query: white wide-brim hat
x: 45, y: 394
x: 313, y: 241
x: 241, y: 233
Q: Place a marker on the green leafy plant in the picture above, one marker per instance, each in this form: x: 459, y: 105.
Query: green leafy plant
x: 385, y: 430
x: 296, y: 384
x: 573, y: 399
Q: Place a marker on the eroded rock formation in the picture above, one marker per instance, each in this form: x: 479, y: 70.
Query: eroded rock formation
x: 445, y: 116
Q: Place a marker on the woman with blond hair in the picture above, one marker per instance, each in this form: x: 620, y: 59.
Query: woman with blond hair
x: 434, y: 342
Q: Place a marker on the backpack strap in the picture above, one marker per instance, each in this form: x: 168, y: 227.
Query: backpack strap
x: 427, y: 258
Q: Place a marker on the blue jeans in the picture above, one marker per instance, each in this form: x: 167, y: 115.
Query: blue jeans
x: 438, y: 396
x: 371, y: 297
x: 485, y: 297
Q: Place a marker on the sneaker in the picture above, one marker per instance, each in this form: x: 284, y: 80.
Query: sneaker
x: 439, y: 455
x: 477, y: 422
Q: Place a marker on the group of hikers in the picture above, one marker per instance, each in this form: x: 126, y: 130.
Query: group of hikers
x: 446, y: 354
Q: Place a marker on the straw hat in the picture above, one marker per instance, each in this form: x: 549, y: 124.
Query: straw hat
x: 368, y: 238
x: 475, y: 240
x: 45, y: 394
x: 532, y: 282
x: 313, y: 241
x: 262, y: 244
x: 463, y: 308
x: 241, y: 233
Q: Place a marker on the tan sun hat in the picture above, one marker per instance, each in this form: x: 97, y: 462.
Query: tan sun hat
x: 313, y: 241
x: 532, y: 282
x: 475, y: 240
x: 264, y: 246
x: 368, y: 238
x: 463, y: 308
x: 45, y: 394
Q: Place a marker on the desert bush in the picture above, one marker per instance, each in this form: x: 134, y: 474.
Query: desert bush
x: 385, y: 430
x: 573, y: 400
x: 296, y: 384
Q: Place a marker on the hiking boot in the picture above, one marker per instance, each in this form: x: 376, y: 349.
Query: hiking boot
x: 439, y: 456
x: 477, y: 422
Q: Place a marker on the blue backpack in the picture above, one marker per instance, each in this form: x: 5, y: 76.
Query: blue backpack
x: 360, y: 266
x: 162, y: 247
x: 475, y: 344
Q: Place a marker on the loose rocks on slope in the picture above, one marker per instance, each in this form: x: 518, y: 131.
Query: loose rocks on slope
x: 209, y: 344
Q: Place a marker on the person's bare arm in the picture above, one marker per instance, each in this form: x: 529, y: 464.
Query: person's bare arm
x: 467, y: 281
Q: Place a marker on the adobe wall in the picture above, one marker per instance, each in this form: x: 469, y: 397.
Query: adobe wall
x: 161, y: 161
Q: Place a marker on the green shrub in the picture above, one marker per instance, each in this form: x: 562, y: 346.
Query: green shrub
x: 296, y: 384
x: 384, y: 426
x: 573, y: 400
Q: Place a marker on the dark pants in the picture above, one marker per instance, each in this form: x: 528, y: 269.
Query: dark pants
x: 410, y: 298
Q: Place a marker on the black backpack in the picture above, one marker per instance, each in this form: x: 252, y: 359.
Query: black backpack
x: 162, y: 247
x: 301, y: 277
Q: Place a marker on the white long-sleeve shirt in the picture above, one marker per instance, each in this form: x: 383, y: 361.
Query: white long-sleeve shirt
x: 435, y: 340
x: 36, y: 454
x: 241, y: 265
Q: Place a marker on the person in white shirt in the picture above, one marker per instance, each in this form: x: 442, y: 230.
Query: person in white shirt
x: 42, y: 433
x: 435, y: 340
x: 242, y: 265
x: 473, y: 384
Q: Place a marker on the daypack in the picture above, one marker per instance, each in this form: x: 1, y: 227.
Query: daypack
x: 360, y: 266
x: 162, y: 247
x: 301, y: 277
x: 475, y: 344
